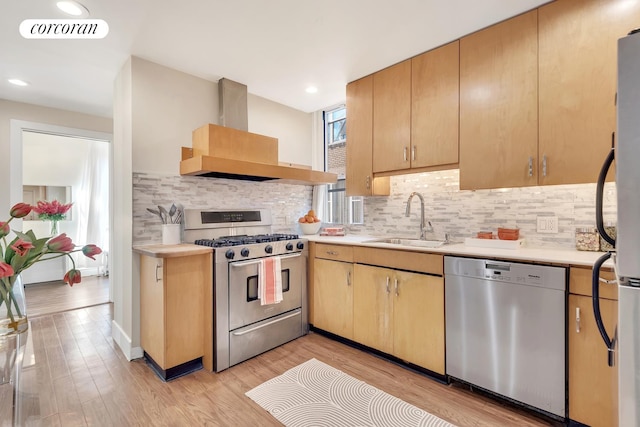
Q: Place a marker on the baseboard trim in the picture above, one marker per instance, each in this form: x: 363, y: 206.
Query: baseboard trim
x: 124, y: 342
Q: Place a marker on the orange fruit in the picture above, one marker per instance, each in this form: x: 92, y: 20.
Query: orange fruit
x: 311, y: 213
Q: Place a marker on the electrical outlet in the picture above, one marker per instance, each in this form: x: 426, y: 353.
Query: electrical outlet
x: 547, y: 224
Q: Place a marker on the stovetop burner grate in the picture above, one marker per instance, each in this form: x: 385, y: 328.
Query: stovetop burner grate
x: 244, y: 240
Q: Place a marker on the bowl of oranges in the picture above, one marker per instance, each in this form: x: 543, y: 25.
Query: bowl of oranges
x: 310, y: 223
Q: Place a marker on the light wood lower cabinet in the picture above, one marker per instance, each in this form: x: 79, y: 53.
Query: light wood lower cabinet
x: 400, y: 313
x: 593, y: 384
x: 172, y: 310
x: 333, y: 297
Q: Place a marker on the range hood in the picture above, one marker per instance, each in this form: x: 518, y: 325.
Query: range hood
x: 230, y: 151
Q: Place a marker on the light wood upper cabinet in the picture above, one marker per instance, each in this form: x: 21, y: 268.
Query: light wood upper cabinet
x: 333, y: 297
x: 578, y: 65
x: 435, y: 107
x: 499, y: 105
x: 359, y: 168
x: 593, y: 384
x: 392, y: 118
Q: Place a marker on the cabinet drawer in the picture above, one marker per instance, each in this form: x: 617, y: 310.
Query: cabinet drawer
x: 334, y: 252
x: 402, y: 260
x: 580, y: 283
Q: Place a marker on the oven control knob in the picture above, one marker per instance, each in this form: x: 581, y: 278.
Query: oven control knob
x: 230, y: 254
x: 289, y: 246
x: 300, y: 245
x: 268, y: 249
x: 244, y: 252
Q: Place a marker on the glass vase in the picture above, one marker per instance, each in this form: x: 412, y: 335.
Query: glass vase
x: 13, y: 307
x: 54, y: 228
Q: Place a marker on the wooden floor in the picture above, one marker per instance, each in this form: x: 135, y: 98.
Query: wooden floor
x: 54, y: 297
x: 74, y: 375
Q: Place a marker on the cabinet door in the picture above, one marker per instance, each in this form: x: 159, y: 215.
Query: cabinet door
x: 435, y: 88
x: 499, y: 105
x: 392, y: 118
x: 578, y: 65
x: 593, y: 385
x: 359, y: 169
x: 373, y: 307
x: 152, y: 310
x: 333, y: 297
x: 418, y: 313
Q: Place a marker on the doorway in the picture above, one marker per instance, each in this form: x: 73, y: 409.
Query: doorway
x: 71, y: 166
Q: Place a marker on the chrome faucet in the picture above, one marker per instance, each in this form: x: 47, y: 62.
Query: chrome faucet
x: 423, y: 230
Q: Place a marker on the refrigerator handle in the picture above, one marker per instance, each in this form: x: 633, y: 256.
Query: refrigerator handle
x: 610, y: 342
x: 600, y: 191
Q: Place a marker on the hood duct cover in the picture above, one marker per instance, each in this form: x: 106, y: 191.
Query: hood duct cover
x: 232, y: 97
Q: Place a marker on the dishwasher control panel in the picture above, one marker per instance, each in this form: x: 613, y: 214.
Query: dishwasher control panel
x: 508, y: 272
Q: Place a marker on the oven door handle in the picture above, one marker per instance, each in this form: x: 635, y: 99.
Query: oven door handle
x: 264, y: 325
x: 245, y: 263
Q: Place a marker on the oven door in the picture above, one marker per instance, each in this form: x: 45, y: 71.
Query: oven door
x: 244, y: 305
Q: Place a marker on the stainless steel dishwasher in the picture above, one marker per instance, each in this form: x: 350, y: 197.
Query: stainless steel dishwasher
x: 505, y: 329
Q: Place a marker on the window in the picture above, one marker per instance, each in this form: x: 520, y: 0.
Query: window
x: 340, y: 209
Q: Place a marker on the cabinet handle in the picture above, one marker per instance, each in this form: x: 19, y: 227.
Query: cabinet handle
x: 396, y: 287
x: 348, y: 278
x: 608, y: 282
x: 367, y: 182
x: 388, y: 290
x: 332, y: 253
x: 404, y: 150
x: 577, y: 320
x: 158, y: 265
x: 544, y: 165
x: 530, y: 166
x: 413, y: 153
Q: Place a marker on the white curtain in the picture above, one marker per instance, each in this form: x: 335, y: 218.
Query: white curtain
x: 318, y: 202
x: 91, y: 203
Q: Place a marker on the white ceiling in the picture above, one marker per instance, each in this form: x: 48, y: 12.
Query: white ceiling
x: 277, y: 47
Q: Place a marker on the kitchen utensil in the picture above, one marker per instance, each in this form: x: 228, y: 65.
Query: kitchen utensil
x: 155, y: 212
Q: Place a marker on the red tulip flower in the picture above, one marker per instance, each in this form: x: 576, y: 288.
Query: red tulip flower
x: 4, y: 229
x: 6, y: 270
x: 20, y: 210
x: 73, y: 276
x: 22, y: 247
x: 90, y: 251
x: 60, y: 243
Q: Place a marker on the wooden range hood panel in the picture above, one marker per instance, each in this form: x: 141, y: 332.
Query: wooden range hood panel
x: 218, y: 167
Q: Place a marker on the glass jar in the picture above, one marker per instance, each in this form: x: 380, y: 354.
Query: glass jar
x: 587, y: 239
x: 610, y: 228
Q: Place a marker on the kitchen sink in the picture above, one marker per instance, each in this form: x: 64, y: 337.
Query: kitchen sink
x: 410, y: 242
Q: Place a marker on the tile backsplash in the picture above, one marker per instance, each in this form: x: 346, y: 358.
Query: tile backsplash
x: 286, y: 201
x: 462, y: 213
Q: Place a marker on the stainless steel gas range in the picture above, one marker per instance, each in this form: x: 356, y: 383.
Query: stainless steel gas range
x: 244, y: 328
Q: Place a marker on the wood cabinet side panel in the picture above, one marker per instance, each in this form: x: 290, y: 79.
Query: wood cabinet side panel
x: 359, y: 146
x: 392, y: 117
x: 152, y: 309
x: 499, y: 104
x: 593, y: 384
x: 435, y: 90
x: 184, y: 320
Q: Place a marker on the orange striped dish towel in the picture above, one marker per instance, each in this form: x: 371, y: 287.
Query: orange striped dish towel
x: 270, y: 281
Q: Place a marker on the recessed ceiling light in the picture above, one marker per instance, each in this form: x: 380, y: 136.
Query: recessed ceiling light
x: 18, y: 82
x: 311, y: 89
x: 73, y: 8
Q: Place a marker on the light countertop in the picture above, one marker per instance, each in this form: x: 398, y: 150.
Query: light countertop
x: 171, y: 251
x: 548, y: 255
